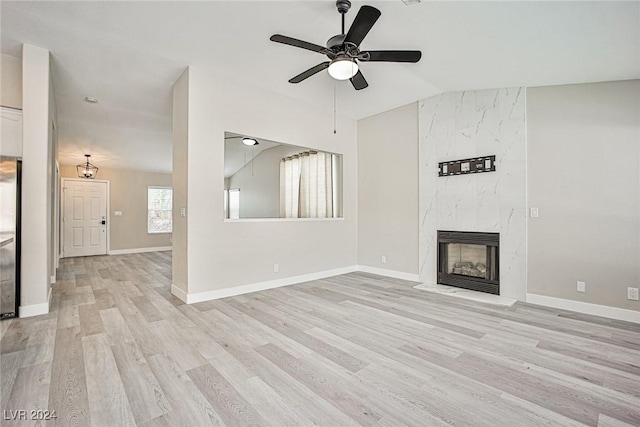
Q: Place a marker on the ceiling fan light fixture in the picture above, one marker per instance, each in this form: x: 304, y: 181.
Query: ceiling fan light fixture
x: 343, y: 68
x: 249, y: 141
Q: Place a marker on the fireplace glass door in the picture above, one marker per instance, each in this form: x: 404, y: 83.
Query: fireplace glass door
x: 469, y: 260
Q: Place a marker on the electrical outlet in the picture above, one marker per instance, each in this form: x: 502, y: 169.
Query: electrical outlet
x: 581, y: 287
x: 183, y: 212
x: 383, y: 259
x: 632, y: 294
x: 534, y: 212
x: 276, y: 268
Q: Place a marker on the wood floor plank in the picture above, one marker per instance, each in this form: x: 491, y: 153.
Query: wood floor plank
x: 15, y: 339
x: 30, y: 391
x: 68, y: 315
x: 10, y: 363
x: 42, y: 339
x: 108, y: 401
x: 115, y: 327
x: 274, y: 322
x: 103, y: 298
x: 353, y: 407
x: 148, y: 310
x: 187, y: 404
x: 177, y: 343
x: 148, y: 342
x: 90, y: 321
x: 68, y: 392
x: 229, y: 404
x: 270, y: 405
x: 146, y: 397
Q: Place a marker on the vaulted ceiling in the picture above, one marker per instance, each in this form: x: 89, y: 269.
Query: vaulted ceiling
x: 128, y: 54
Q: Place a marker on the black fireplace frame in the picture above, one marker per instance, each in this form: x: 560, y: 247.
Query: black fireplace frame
x: 490, y: 240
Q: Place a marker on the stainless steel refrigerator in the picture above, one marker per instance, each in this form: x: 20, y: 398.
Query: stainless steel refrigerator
x: 10, y: 177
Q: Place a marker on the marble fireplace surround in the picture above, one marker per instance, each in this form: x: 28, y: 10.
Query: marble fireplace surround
x: 461, y: 125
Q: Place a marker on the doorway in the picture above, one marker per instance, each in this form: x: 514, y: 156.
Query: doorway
x: 85, y: 228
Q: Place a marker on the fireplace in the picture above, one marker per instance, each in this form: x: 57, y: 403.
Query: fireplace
x: 469, y: 260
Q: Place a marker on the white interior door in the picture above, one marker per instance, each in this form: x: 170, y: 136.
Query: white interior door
x: 85, y: 218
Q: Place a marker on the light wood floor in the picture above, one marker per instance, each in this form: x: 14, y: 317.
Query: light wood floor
x: 117, y: 349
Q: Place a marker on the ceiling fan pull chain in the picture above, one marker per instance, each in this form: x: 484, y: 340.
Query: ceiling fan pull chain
x: 334, y: 106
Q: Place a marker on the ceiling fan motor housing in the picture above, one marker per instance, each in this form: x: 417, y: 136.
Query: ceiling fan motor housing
x: 336, y: 41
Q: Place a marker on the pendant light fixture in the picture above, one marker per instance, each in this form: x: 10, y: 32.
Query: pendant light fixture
x: 87, y: 170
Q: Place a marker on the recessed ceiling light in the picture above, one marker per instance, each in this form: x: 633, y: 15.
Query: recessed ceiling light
x: 249, y: 141
x: 91, y: 99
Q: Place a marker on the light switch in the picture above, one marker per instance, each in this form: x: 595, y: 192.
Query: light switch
x: 183, y: 211
x: 534, y: 212
x: 118, y: 213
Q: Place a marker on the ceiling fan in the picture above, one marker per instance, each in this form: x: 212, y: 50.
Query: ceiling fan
x: 344, y: 52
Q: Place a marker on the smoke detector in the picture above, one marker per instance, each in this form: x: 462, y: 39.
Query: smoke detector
x: 91, y: 99
x: 410, y: 2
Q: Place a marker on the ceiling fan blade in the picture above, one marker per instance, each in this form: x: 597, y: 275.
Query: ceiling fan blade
x: 358, y: 81
x: 393, y: 55
x: 278, y: 38
x: 366, y: 17
x: 310, y: 72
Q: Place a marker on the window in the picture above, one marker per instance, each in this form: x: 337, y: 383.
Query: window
x: 159, y: 210
x: 232, y: 203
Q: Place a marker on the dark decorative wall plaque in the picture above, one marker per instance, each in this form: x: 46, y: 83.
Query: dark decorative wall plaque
x: 463, y: 167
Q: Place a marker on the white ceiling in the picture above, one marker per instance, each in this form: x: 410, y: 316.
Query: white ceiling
x: 128, y: 54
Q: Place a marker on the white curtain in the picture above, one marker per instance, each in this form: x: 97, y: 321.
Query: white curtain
x: 306, y: 185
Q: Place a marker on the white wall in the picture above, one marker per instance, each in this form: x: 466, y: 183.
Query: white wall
x: 10, y: 81
x: 227, y: 254
x: 584, y: 176
x: 461, y: 125
x: 388, y: 190
x: 180, y: 181
x: 259, y: 183
x: 36, y: 182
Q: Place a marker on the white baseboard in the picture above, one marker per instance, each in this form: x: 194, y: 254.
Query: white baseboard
x: 179, y: 293
x: 36, y: 309
x: 139, y: 250
x: 389, y: 273
x: 586, y: 308
x: 270, y: 284
x: 259, y: 286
